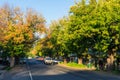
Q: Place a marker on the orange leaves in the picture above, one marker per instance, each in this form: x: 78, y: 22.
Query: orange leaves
x: 19, y: 39
x: 19, y: 34
x: 18, y: 27
x: 41, y: 28
x: 34, y: 51
x: 35, y: 21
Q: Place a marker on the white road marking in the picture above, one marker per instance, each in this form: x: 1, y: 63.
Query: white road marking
x: 30, y: 75
x: 31, y: 78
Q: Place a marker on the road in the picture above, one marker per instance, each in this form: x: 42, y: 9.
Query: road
x: 39, y: 71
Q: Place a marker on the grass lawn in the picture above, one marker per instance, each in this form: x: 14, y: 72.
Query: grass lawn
x: 72, y: 64
x: 116, y: 72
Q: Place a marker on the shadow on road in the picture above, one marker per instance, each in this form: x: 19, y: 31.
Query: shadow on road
x: 73, y: 75
x: 39, y: 71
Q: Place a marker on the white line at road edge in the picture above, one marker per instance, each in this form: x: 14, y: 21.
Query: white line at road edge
x: 31, y: 78
x: 30, y: 75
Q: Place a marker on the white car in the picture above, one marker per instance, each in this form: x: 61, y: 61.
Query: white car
x: 48, y: 60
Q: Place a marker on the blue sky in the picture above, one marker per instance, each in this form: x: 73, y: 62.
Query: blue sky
x: 50, y: 9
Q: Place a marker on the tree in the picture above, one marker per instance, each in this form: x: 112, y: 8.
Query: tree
x: 58, y: 37
x: 78, y: 30
x: 19, y: 31
x: 94, y: 25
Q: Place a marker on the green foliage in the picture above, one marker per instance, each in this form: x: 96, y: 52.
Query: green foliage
x: 17, y: 37
x: 75, y: 65
x: 93, y: 25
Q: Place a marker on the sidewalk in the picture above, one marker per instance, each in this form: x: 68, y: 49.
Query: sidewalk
x: 19, y: 72
x: 2, y: 72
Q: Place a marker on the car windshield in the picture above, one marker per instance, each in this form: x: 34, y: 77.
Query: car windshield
x: 48, y: 58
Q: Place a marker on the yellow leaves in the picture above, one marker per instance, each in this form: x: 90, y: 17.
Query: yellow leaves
x: 116, y: 41
x: 19, y: 39
x: 30, y: 35
x: 17, y: 29
x: 17, y: 33
x: 40, y: 28
x: 105, y: 33
x: 34, y: 51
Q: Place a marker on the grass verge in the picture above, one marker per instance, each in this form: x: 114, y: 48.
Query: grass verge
x: 76, y: 66
x: 72, y: 64
x: 7, y: 68
x: 116, y: 72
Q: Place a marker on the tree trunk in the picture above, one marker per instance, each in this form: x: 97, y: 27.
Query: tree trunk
x: 79, y: 60
x: 110, y: 62
x: 12, y: 61
x: 65, y: 61
x: 17, y: 60
x: 118, y: 60
x: 65, y: 58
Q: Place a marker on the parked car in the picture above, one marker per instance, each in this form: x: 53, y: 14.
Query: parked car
x: 22, y: 60
x: 48, y: 60
x: 40, y: 58
x: 29, y: 57
x: 56, y: 61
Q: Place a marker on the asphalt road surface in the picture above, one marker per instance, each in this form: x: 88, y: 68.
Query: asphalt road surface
x: 39, y: 71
